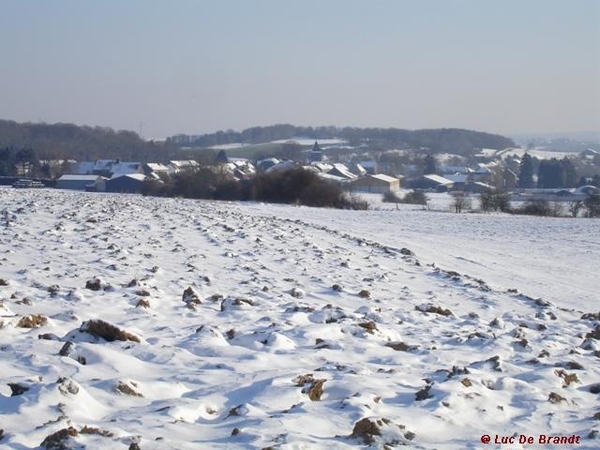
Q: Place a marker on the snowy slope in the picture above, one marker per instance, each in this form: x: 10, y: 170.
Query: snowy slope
x: 265, y: 326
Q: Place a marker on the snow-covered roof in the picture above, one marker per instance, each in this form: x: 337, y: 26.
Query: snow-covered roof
x: 342, y: 171
x: 156, y: 167
x: 183, y: 163
x: 385, y: 178
x: 457, y: 178
x: 283, y: 165
x: 125, y: 167
x: 357, y: 169
x: 455, y: 169
x: 79, y: 177
x: 135, y: 176
x: 322, y: 167
x: 332, y: 178
x: 438, y: 179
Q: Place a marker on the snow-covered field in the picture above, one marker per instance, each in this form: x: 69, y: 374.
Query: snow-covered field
x: 267, y: 326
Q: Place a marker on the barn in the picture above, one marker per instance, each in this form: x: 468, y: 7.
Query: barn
x: 377, y: 184
x: 81, y: 182
x: 128, y: 183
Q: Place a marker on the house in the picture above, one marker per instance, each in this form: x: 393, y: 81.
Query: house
x: 357, y: 170
x: 431, y: 181
x: 81, y: 182
x: 378, y: 184
x: 267, y: 163
x: 240, y: 168
x: 340, y: 170
x: 128, y: 183
x: 452, y: 170
x: 282, y: 167
x: 103, y: 167
x: 322, y: 167
x: 460, y: 181
x: 124, y: 168
x: 155, y: 170
x: 183, y: 164
x: 370, y: 166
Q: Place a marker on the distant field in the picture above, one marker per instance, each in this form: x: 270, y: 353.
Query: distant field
x: 250, y: 151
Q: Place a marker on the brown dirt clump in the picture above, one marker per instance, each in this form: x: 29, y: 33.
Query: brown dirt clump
x: 568, y: 378
x: 364, y: 294
x: 191, y: 297
x: 594, y: 334
x: 228, y: 302
x: 301, y: 380
x: 556, y: 398
x: 423, y: 394
x: 107, y: 331
x: 142, y: 303
x: 128, y: 389
x: 32, y: 321
x: 96, y: 431
x: 591, y: 316
x: 56, y: 441
x: 400, y: 346
x: 311, y: 386
x: 466, y: 382
x: 369, y: 326
x: 95, y: 284
x: 315, y: 391
x: 365, y: 429
x: 434, y: 309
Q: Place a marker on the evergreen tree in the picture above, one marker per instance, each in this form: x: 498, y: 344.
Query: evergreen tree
x: 570, y: 174
x: 526, y: 172
x: 222, y: 157
x: 7, y: 162
x: 429, y: 163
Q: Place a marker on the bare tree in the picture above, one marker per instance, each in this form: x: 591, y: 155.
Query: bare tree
x: 575, y: 206
x: 461, y: 201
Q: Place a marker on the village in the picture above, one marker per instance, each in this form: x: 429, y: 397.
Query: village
x: 389, y: 173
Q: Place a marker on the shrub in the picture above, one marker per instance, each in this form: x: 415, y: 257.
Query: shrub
x: 592, y: 204
x: 391, y: 197
x: 411, y: 198
x: 535, y: 208
x: 299, y: 186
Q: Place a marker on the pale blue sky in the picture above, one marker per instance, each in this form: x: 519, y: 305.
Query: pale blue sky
x: 184, y: 66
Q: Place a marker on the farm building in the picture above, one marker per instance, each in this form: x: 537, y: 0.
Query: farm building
x: 81, y: 182
x: 431, y: 181
x: 129, y: 183
x: 378, y: 184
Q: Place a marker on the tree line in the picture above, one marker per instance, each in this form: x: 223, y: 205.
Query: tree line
x: 551, y: 173
x: 82, y: 143
x: 453, y: 140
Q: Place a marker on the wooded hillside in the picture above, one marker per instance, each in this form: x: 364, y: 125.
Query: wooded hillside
x: 436, y: 140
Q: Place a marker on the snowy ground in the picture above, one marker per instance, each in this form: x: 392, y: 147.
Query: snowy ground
x: 303, y: 328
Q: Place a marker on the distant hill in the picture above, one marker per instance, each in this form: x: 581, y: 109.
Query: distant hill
x: 442, y: 140
x: 64, y: 140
